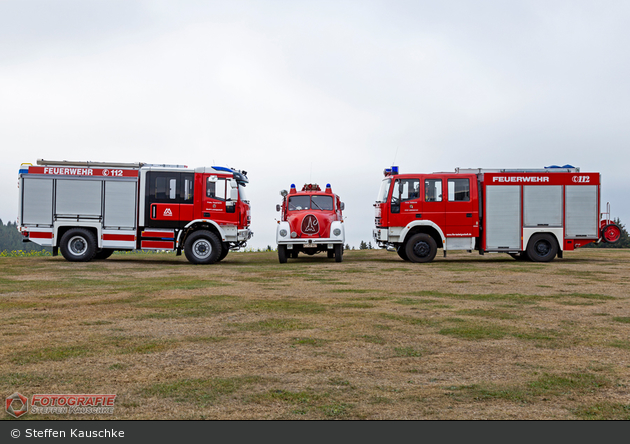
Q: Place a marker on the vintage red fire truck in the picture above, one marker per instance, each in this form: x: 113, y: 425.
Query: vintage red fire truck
x: 311, y: 222
x: 534, y: 214
x: 90, y: 209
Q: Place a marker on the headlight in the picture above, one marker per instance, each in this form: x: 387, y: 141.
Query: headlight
x: 283, y: 233
x: 293, y: 234
x: 336, y: 231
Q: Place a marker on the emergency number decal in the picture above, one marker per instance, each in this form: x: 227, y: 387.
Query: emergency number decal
x: 581, y: 179
x: 79, y: 171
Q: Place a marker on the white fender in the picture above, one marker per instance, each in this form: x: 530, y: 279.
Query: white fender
x: 207, y: 221
x: 283, y: 225
x: 338, y: 224
x: 424, y: 223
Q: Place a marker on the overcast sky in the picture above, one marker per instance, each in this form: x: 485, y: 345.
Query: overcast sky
x: 317, y: 91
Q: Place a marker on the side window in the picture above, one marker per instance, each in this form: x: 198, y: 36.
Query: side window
x: 215, y: 189
x: 433, y: 190
x: 165, y: 188
x: 410, y: 189
x: 405, y: 189
x: 458, y: 190
x: 188, y: 187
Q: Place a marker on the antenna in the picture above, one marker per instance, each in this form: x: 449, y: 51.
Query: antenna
x: 394, y: 161
x: 310, y: 179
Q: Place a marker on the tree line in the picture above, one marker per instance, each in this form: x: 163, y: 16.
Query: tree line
x: 11, y: 239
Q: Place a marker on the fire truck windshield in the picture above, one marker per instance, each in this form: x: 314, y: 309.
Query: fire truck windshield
x: 382, y: 193
x: 241, y: 193
x: 298, y: 203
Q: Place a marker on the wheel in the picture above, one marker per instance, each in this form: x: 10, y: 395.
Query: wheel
x: 522, y: 256
x: 338, y: 252
x: 330, y: 253
x: 78, y: 245
x: 401, y: 250
x: 420, y: 248
x: 542, y: 247
x: 225, y: 249
x: 611, y: 233
x: 104, y: 253
x: 282, y: 254
x: 202, y: 247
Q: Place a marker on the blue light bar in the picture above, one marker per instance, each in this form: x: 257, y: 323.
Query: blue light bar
x: 229, y: 170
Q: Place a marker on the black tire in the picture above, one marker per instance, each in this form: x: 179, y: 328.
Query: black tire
x: 338, y: 252
x: 420, y: 248
x: 282, y: 254
x: 225, y: 249
x: 401, y: 250
x: 542, y: 247
x: 202, y: 247
x: 78, y: 245
x: 103, y: 253
x: 330, y: 253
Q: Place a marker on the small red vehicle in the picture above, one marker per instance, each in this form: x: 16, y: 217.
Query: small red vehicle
x: 311, y: 222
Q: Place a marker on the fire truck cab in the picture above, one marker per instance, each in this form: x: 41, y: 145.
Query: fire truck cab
x: 311, y: 222
x: 533, y: 214
x: 90, y: 209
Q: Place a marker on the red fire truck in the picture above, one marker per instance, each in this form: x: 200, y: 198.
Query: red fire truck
x: 534, y: 214
x: 311, y: 222
x: 90, y: 209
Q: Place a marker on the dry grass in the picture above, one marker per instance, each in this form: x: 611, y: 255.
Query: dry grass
x: 373, y: 337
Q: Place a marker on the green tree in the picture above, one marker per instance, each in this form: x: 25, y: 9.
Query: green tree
x: 11, y: 239
x: 347, y: 246
x: 363, y: 246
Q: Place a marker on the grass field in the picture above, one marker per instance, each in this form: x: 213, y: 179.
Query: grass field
x: 373, y: 337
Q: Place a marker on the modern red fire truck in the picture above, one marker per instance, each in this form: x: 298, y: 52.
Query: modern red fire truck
x: 90, y: 209
x: 311, y: 222
x: 534, y: 214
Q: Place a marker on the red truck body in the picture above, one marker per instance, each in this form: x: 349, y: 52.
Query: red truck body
x: 534, y: 214
x: 311, y: 222
x: 90, y: 209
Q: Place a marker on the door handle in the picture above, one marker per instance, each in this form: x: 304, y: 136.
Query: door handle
x: 153, y: 211
x: 468, y: 214
x: 418, y: 216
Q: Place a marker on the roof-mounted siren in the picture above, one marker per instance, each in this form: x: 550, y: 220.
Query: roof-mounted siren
x: 311, y: 187
x: 292, y: 190
x: 390, y: 171
x: 328, y: 189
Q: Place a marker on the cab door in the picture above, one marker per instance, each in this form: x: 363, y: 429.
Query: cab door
x: 220, y: 200
x: 433, y: 204
x: 405, y: 202
x: 162, y: 202
x: 169, y: 199
x: 462, y: 219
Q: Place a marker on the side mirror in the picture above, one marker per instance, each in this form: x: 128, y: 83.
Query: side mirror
x: 234, y: 194
x: 278, y: 207
x: 342, y: 206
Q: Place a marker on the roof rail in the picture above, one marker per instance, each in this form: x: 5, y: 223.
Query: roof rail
x: 90, y: 164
